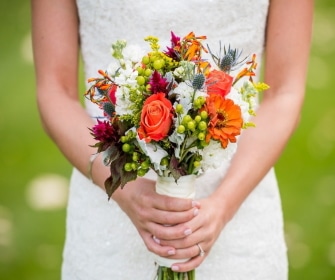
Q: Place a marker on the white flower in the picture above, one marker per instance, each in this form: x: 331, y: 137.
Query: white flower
x: 112, y: 68
x: 214, y: 155
x: 185, y: 70
x: 155, y: 152
x: 184, y: 91
x: 237, y: 97
x: 127, y: 77
x: 199, y: 93
x: 133, y: 53
x: 187, y: 94
x: 179, y: 72
x: 122, y: 106
x: 178, y: 139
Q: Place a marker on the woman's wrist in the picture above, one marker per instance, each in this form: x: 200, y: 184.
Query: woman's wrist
x: 228, y: 198
x: 223, y: 208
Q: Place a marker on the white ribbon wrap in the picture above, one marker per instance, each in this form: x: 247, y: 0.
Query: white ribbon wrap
x: 183, y: 188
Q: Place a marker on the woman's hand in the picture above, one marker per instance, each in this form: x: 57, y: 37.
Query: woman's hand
x: 151, y: 212
x: 205, y: 228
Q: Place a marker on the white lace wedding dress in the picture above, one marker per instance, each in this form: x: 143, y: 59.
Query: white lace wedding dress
x: 101, y: 242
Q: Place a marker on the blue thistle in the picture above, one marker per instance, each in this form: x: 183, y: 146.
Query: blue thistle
x: 109, y: 108
x: 226, y: 62
x: 230, y: 59
x: 198, y: 81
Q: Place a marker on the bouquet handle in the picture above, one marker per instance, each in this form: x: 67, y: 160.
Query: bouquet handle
x: 184, y: 187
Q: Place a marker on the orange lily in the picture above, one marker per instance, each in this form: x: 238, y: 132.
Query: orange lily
x: 249, y: 72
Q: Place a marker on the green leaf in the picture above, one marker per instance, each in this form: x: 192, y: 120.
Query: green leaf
x: 112, y: 154
x: 111, y: 185
x: 176, y: 170
x: 119, y: 177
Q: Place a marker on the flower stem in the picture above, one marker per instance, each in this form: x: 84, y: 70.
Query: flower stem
x: 159, y: 273
x: 193, y: 96
x: 166, y: 273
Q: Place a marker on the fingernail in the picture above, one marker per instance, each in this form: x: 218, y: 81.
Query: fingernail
x: 156, y: 239
x: 196, y: 211
x: 175, y: 268
x: 188, y: 231
x: 195, y: 203
x: 171, y: 252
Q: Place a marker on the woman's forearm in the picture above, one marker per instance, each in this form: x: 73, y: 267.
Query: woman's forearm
x: 67, y: 123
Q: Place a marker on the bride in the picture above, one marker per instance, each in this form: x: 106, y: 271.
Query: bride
x: 236, y: 218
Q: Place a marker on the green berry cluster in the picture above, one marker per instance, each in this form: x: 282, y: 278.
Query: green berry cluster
x: 165, y: 161
x: 142, y: 79
x: 194, y: 125
x: 196, y: 161
x: 158, y: 61
x: 199, y: 102
x: 154, y: 61
x: 136, y: 160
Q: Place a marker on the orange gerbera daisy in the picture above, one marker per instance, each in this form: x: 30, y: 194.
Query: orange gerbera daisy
x: 225, y: 119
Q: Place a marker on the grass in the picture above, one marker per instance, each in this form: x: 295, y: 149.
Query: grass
x: 31, y: 237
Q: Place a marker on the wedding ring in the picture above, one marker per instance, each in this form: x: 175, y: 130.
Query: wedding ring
x: 202, y: 252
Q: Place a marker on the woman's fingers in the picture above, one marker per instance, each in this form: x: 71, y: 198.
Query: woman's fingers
x: 190, y: 252
x: 165, y: 232
x: 173, y: 204
x: 183, y: 235
x: 189, y: 265
x: 198, y: 256
x: 172, y: 218
x: 143, y: 205
x: 154, y: 247
x: 170, y: 227
x: 170, y: 252
x: 205, y: 227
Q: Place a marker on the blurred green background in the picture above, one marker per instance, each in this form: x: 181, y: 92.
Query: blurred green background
x: 34, y: 175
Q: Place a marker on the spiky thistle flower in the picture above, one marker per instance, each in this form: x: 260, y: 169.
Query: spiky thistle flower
x: 198, y: 81
x: 108, y: 108
x: 229, y: 61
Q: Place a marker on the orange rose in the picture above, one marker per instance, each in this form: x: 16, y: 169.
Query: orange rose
x: 219, y: 82
x: 156, y: 118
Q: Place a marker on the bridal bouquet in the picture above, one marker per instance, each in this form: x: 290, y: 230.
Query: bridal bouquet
x: 172, y: 111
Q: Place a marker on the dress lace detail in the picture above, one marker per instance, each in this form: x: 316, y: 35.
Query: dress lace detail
x: 101, y: 242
